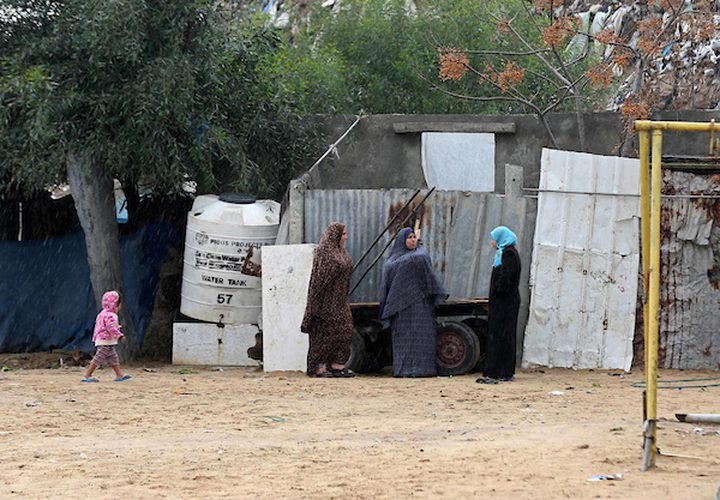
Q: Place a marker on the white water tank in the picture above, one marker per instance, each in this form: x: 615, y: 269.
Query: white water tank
x: 221, y: 263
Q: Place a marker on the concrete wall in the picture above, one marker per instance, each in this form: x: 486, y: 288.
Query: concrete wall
x: 196, y: 343
x: 374, y: 156
x: 286, y: 275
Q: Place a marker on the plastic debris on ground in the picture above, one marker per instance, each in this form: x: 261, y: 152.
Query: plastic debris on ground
x: 275, y: 419
x: 606, y: 477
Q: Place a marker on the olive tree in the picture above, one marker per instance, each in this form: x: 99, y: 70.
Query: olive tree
x: 149, y: 92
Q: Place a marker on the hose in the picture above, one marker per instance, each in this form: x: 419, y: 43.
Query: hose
x: 663, y: 384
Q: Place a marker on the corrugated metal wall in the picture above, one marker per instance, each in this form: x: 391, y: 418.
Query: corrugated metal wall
x: 455, y: 230
x: 690, y: 272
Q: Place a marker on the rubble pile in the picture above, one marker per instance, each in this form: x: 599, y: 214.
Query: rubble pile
x: 682, y: 72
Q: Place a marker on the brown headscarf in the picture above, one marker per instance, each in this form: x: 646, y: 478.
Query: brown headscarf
x: 330, y: 279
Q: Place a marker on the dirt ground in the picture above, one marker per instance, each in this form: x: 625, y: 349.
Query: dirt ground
x: 173, y: 432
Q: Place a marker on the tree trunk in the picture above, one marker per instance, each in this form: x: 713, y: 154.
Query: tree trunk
x: 94, y: 196
x: 546, y: 124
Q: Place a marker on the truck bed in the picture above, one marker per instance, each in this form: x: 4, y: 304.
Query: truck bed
x: 473, y: 306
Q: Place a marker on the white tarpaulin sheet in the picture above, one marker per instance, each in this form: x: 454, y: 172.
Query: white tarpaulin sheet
x: 584, y: 270
x: 459, y: 161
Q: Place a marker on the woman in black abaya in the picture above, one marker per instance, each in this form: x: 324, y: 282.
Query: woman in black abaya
x: 504, y: 306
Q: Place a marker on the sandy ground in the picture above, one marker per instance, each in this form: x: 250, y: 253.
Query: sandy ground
x: 241, y: 433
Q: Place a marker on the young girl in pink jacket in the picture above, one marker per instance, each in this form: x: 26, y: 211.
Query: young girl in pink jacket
x: 106, y: 336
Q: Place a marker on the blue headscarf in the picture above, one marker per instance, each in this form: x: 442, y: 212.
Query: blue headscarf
x: 504, y: 238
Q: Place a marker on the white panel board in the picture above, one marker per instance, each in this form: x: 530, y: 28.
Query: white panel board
x: 196, y: 343
x: 286, y: 275
x: 585, y: 261
x: 459, y: 161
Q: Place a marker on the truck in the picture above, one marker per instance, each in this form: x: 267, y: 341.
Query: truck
x: 462, y: 330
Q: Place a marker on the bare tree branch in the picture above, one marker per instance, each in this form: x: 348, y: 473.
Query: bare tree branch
x: 434, y: 86
x: 546, y: 79
x: 507, y: 53
x: 552, y: 68
x: 514, y: 93
x: 557, y: 103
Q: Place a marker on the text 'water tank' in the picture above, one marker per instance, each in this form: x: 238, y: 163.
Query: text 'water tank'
x: 221, y: 264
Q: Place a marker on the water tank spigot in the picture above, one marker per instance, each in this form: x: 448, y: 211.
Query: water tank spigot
x: 221, y: 327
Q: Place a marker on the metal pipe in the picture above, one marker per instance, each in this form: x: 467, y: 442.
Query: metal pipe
x: 645, y: 235
x: 699, y: 418
x: 561, y: 191
x: 644, y: 125
x: 654, y: 297
x: 625, y: 195
x: 397, y: 214
x: 334, y: 144
x: 372, y: 264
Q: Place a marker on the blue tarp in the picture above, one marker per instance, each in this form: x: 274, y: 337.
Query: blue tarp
x: 46, y: 298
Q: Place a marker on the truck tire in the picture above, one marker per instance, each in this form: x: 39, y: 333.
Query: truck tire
x: 480, y: 327
x: 458, y: 348
x: 365, y: 355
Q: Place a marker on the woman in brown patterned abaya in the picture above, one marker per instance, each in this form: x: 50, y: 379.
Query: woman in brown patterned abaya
x: 328, y: 319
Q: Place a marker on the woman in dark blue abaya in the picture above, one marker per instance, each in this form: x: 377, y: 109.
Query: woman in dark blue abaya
x: 409, y: 292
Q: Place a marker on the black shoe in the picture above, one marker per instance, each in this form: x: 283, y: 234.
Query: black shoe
x: 343, y: 372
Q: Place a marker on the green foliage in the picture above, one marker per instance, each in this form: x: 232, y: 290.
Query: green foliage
x: 379, y: 56
x: 375, y: 56
x: 154, y: 91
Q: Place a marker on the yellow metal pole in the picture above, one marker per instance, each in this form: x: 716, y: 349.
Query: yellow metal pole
x: 651, y: 244
x: 645, y: 234
x: 654, y: 298
x: 641, y: 125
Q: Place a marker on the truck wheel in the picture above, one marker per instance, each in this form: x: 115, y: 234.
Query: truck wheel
x: 480, y: 327
x: 458, y: 348
x: 357, y: 352
x: 365, y: 354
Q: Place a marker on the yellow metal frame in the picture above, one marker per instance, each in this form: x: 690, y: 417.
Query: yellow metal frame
x: 650, y: 183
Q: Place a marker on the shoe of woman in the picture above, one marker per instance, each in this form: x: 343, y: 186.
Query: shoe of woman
x: 344, y: 372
